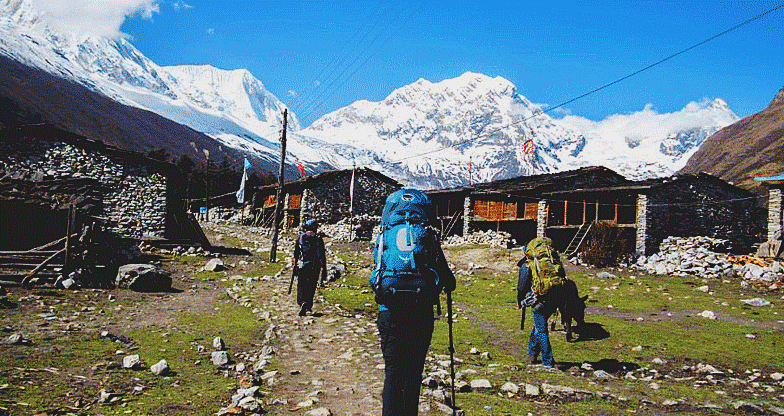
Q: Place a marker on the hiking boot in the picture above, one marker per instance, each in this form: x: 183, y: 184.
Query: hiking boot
x: 303, y: 310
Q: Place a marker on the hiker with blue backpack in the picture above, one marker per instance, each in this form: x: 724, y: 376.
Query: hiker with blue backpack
x: 540, y: 271
x: 309, y: 259
x: 409, y: 273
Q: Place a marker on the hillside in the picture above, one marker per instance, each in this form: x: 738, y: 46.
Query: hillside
x: 753, y: 146
x: 29, y: 95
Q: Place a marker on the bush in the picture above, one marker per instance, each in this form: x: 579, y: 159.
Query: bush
x: 606, y: 245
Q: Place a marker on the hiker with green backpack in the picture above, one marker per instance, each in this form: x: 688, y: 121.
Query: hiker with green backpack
x: 409, y: 273
x: 541, y: 275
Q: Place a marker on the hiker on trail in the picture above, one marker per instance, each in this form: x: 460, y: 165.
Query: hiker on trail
x: 310, y: 258
x: 540, y: 271
x: 409, y: 273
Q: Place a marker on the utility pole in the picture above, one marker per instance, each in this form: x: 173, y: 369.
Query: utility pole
x: 278, y: 198
x: 207, y: 186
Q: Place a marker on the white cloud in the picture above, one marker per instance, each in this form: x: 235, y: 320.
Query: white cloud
x: 210, y: 31
x: 89, y: 17
x: 316, y: 83
x: 181, y: 5
x: 292, y: 93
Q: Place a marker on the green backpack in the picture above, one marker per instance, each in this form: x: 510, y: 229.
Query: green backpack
x: 546, y: 268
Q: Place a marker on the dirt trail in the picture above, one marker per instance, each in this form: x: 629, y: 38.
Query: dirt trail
x: 331, y: 358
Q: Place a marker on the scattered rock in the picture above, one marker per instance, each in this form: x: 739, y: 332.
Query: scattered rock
x: 603, y: 375
x: 218, y: 344
x: 510, y: 388
x: 756, y: 302
x: 133, y: 362
x: 707, y: 314
x: 161, y: 368
x: 747, y: 407
x: 481, y: 383
x: 143, y: 278
x: 321, y: 411
x: 214, y: 265
x: 531, y: 390
x: 220, y: 358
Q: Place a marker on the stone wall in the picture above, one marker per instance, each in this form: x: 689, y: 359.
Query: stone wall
x: 136, y: 201
x: 328, y: 201
x: 774, y: 215
x: 694, y: 207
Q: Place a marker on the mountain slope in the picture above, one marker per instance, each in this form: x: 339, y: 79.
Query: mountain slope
x: 231, y: 106
x: 30, y: 95
x: 478, y: 123
x: 754, y: 146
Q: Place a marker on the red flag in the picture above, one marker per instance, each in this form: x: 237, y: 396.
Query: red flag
x: 528, y: 147
x: 301, y: 170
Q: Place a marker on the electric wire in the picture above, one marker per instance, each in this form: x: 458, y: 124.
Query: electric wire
x: 539, y: 111
x: 339, y: 59
x: 328, y: 92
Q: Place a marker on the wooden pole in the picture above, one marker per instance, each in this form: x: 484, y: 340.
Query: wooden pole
x: 207, y: 187
x: 278, y: 201
x: 26, y: 280
x: 68, y: 231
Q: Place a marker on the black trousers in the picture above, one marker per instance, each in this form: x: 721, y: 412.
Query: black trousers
x: 307, y: 280
x: 405, y: 333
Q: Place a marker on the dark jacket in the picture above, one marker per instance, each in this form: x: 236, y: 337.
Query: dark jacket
x: 316, y: 253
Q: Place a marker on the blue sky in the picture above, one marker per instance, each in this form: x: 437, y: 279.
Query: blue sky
x: 318, y: 55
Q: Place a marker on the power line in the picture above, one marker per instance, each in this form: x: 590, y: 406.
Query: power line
x: 321, y: 99
x: 595, y: 90
x: 338, y: 59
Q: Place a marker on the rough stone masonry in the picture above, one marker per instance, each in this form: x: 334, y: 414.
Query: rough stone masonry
x: 136, y: 202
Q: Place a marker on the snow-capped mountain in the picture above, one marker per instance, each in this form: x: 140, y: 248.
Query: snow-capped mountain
x: 468, y: 129
x: 430, y: 133
x: 231, y: 106
x: 647, y: 144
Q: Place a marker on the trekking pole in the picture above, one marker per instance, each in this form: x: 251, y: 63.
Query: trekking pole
x: 451, y: 349
x: 293, y: 273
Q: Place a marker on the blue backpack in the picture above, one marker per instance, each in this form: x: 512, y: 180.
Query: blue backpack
x: 405, y: 250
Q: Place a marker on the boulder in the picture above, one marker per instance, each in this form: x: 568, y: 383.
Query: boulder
x: 143, y: 278
x: 214, y: 265
x: 161, y: 368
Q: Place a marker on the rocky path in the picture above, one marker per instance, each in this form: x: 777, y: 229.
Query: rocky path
x: 326, y: 363
x: 331, y: 360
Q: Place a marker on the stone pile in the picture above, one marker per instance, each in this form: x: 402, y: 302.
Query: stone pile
x: 697, y: 256
x: 685, y: 256
x: 489, y: 237
x: 361, y: 228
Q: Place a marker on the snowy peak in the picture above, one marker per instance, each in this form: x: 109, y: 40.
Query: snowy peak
x: 234, y: 92
x: 232, y: 106
x: 463, y: 129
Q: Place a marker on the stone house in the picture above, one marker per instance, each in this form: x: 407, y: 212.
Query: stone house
x: 325, y: 197
x: 563, y: 205
x: 773, y: 245
x: 132, y: 195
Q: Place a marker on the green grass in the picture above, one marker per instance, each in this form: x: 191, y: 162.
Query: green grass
x: 76, y: 361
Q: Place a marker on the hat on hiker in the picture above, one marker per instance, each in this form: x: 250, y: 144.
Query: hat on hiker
x: 311, y: 225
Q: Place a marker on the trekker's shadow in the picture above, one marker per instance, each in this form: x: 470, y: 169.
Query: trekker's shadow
x: 591, y: 331
x: 609, y: 365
